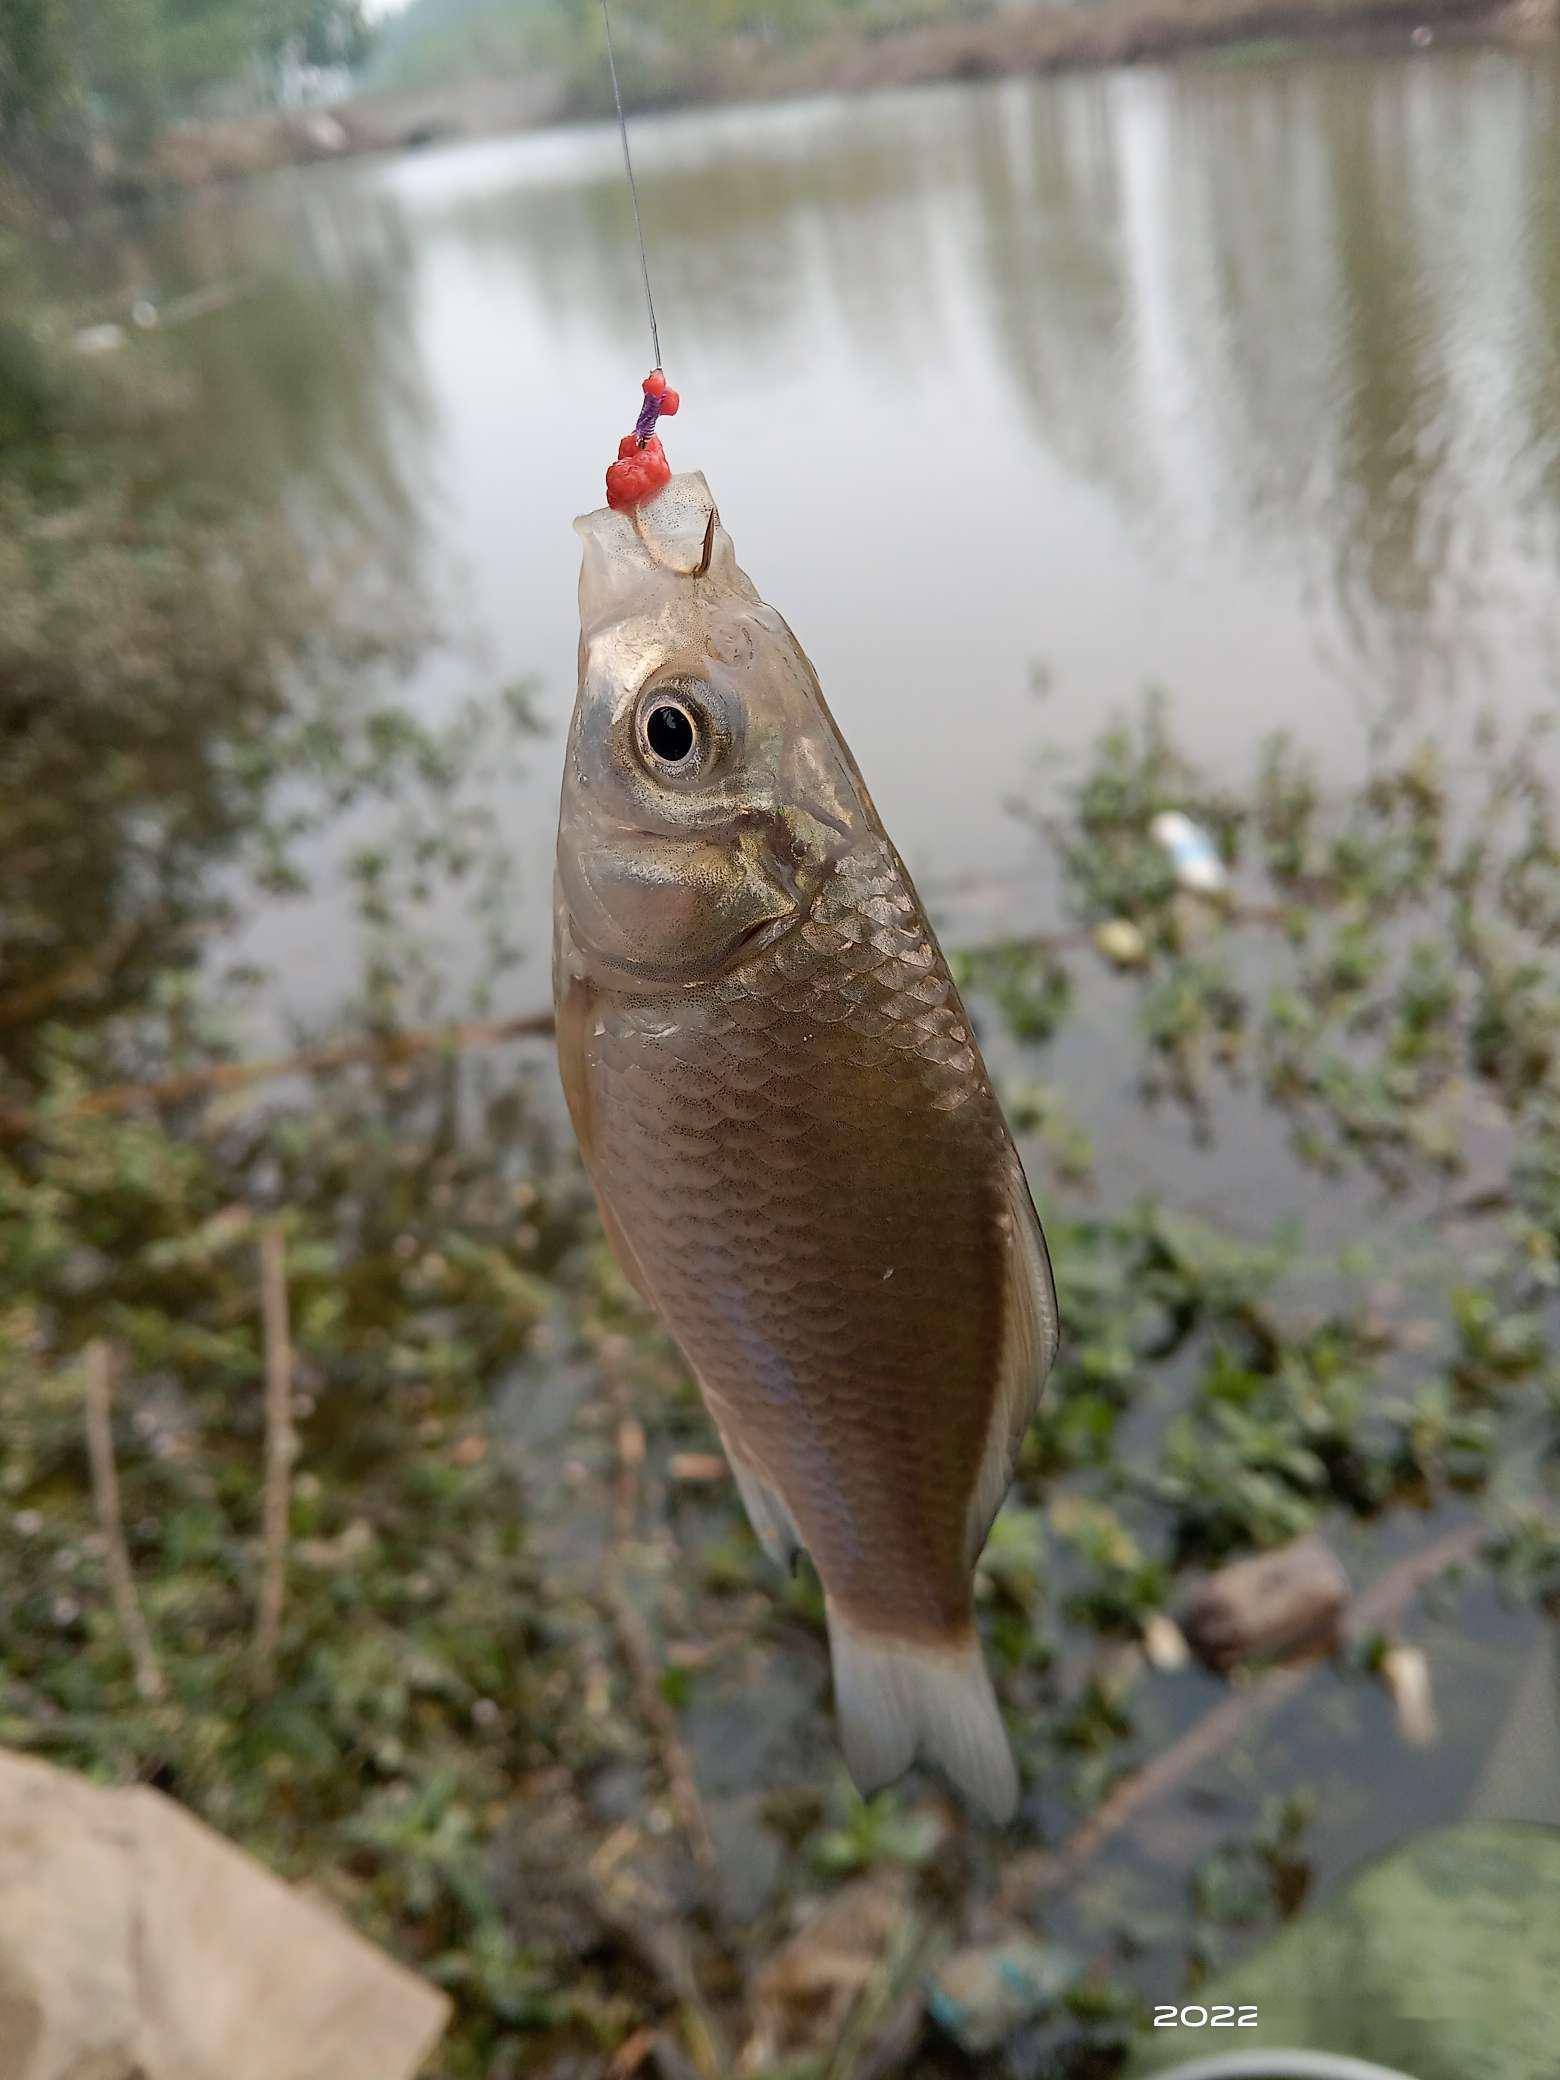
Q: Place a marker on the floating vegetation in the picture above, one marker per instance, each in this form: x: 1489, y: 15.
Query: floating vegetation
x: 537, y: 1715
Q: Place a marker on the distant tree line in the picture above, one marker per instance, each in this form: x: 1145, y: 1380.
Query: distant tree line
x: 663, y: 42
x: 72, y: 69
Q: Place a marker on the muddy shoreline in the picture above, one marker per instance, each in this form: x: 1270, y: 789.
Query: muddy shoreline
x: 1120, y: 32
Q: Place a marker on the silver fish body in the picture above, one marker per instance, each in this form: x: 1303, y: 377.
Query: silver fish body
x: 798, y: 1153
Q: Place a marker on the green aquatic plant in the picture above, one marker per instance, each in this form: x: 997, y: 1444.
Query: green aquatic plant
x: 1110, y: 863
x: 1250, y: 1880
x: 1525, y: 1553
x: 1113, y: 1585
x: 1041, y: 1110
x: 869, y: 1831
x: 1030, y: 990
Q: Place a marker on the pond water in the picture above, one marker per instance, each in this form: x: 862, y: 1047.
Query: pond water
x: 1244, y: 379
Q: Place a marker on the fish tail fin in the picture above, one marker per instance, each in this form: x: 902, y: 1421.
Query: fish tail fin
x: 898, y: 1699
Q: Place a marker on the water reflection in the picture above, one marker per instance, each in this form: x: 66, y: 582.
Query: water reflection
x: 242, y: 559
x: 1052, y: 185
x: 1242, y: 379
x: 1303, y: 314
x: 764, y: 247
x: 311, y: 382
x: 1286, y: 322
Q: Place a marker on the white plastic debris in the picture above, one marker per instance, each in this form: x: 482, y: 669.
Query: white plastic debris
x: 99, y: 339
x: 324, y: 132
x: 1406, y: 1674
x: 1193, y: 854
x: 982, y: 1995
x: 1165, y: 1643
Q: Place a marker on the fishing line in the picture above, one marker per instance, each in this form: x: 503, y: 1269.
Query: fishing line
x: 633, y: 191
x: 641, y: 468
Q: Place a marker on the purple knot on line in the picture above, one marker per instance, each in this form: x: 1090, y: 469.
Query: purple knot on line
x: 658, y: 399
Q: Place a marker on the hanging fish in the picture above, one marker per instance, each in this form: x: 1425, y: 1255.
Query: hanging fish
x: 799, y: 1157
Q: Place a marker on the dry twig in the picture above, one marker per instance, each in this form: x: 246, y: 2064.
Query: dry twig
x: 639, y: 1655
x: 632, y: 1634
x: 631, y: 2054
x: 280, y: 1450
x: 105, y: 1493
x: 637, y: 1916
x: 384, y: 1050
x: 79, y: 978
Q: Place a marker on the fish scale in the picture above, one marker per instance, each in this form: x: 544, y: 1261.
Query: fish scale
x: 798, y: 1324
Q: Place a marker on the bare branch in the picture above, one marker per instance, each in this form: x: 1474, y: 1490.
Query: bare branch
x: 101, y: 1367
x: 384, y: 1050
x: 633, y: 1635
x: 280, y: 1451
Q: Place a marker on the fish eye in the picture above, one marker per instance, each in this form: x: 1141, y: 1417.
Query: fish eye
x: 678, y: 732
x: 671, y: 733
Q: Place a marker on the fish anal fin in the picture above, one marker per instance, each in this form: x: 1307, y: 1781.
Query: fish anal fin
x: 773, y: 1525
x: 898, y: 1699
x: 1030, y: 1333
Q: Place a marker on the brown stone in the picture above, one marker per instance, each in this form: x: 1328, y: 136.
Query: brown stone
x: 1269, y: 1604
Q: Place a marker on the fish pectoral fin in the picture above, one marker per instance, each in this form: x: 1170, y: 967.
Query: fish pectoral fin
x: 773, y: 1525
x: 897, y: 1699
x: 1031, y: 1329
